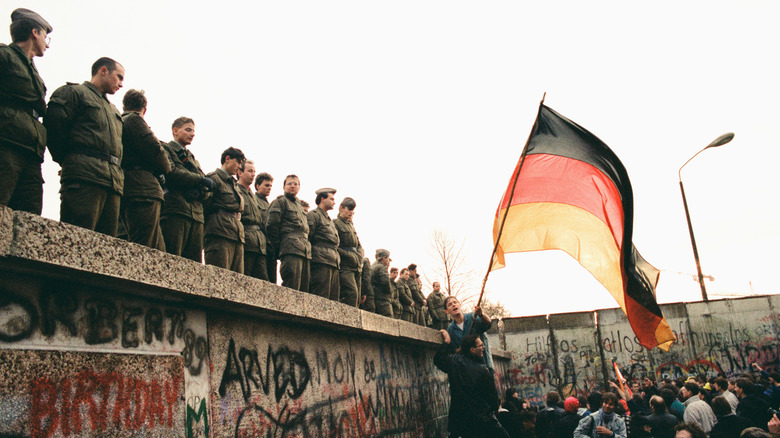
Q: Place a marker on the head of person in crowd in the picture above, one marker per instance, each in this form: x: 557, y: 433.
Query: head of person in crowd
x: 291, y: 186
x: 639, y: 426
x: 107, y: 75
x: 263, y: 183
x: 609, y: 403
x: 701, y: 379
x: 347, y: 208
x: 552, y: 399
x: 583, y: 403
x: 594, y: 401
x: 383, y: 256
x: 774, y: 378
x: 689, y: 390
x: 754, y: 432
x: 305, y: 205
x: 325, y: 199
x: 183, y: 130
x: 452, y: 307
x: 743, y: 387
x: 635, y: 386
x: 30, y: 32
x: 393, y: 273
x: 571, y: 405
x: 658, y: 405
x: 404, y: 274
x: 436, y: 286
x: 134, y: 101
x: 720, y: 406
x: 472, y: 345
x: 688, y: 430
x: 231, y: 160
x: 246, y: 173
x: 733, y: 385
x: 669, y: 395
x: 412, y: 270
x: 721, y: 384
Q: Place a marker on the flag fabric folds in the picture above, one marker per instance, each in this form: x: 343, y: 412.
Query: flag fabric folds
x: 570, y: 192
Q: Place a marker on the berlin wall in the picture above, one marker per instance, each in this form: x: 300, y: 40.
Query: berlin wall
x: 573, y: 353
x: 103, y: 338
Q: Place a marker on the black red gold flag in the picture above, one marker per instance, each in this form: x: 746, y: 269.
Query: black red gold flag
x: 570, y: 192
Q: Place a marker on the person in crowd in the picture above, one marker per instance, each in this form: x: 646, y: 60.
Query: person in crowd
x: 729, y: 425
x: 182, y: 216
x: 367, y: 302
x: 661, y: 422
x: 416, y: 294
x: 324, y: 238
x: 689, y: 430
x: 408, y: 313
x: 565, y: 426
x: 673, y: 405
x: 473, y: 397
x: 380, y: 283
x: 461, y: 326
x: 751, y: 405
x: 287, y: 229
x: 436, y: 307
x: 351, y: 254
x: 722, y: 389
x: 253, y: 218
x: 263, y: 184
x: 145, y: 164
x: 22, y: 104
x: 696, y: 410
x: 85, y: 137
x: 550, y: 415
x: 395, y: 300
x: 604, y: 422
x: 224, y: 232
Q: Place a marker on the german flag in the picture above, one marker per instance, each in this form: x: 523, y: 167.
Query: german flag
x: 569, y: 191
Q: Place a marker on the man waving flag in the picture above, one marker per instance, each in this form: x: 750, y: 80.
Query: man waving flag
x: 570, y: 192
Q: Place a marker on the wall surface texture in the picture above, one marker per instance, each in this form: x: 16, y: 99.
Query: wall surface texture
x: 103, y: 338
x: 573, y: 353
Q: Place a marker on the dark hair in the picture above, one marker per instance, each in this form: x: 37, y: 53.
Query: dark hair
x: 232, y: 153
x: 134, y: 100
x: 721, y: 406
x: 288, y: 177
x: 553, y: 398
x: 691, y: 428
x: 21, y: 30
x: 594, y: 401
x: 610, y: 397
x: 404, y: 270
x: 393, y: 269
x: 692, y: 387
x: 668, y: 395
x: 754, y: 432
x: 263, y: 176
x: 348, y: 203
x: 722, y: 383
x: 745, y: 385
x: 657, y: 404
x: 321, y: 196
x: 412, y: 267
x: 467, y: 343
x: 108, y: 63
x: 446, y: 300
x: 181, y: 121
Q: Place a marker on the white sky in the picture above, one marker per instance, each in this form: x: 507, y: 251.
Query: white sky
x: 419, y: 110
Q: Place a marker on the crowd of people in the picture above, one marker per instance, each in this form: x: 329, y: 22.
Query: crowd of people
x: 699, y: 407
x: 119, y: 179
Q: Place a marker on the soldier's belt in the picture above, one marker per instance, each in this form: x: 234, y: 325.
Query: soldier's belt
x: 228, y: 213
x: 325, y: 245
x: 99, y: 155
x: 249, y: 227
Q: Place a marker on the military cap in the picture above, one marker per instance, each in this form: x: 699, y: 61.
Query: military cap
x: 382, y: 253
x: 26, y: 14
x: 325, y: 191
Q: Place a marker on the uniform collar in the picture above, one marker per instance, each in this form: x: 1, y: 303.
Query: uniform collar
x: 95, y: 89
x: 224, y: 175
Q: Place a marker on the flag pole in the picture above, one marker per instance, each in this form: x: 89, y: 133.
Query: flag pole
x: 509, y: 203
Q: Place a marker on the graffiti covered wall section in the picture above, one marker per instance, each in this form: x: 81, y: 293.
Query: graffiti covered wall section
x: 724, y: 336
x: 273, y: 381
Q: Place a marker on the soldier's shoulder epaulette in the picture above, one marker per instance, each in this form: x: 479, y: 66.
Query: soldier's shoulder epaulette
x: 280, y: 197
x: 71, y: 83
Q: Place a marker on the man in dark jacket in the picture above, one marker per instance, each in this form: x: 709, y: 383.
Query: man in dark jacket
x: 263, y: 184
x: 187, y: 187
x: 380, y: 283
x: 351, y: 254
x: 751, y: 405
x: 22, y: 92
x: 366, y: 291
x: 85, y: 138
x: 661, y: 421
x: 473, y: 397
x: 728, y: 425
x: 324, y: 238
x: 287, y: 230
x: 254, y: 224
x: 144, y: 163
x: 224, y: 232
x: 549, y: 415
x: 565, y: 426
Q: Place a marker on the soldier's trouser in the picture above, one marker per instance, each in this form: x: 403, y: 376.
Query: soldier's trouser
x: 419, y: 317
x: 225, y: 253
x: 295, y: 272
x: 348, y: 280
x: 270, y: 268
x: 142, y: 219
x: 90, y: 206
x: 21, y: 182
x: 368, y: 305
x: 408, y: 315
x: 324, y: 281
x: 384, y: 308
x: 255, y: 265
x: 183, y: 237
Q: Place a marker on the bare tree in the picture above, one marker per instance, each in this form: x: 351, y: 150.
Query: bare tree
x: 451, y: 270
x: 495, y: 310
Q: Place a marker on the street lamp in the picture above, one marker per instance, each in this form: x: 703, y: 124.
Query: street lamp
x: 720, y: 141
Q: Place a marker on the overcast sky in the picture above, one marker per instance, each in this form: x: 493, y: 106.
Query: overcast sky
x: 419, y: 110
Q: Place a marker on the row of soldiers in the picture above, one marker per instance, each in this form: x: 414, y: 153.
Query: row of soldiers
x: 115, y: 174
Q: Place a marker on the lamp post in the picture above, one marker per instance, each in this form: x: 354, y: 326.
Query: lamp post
x: 720, y: 141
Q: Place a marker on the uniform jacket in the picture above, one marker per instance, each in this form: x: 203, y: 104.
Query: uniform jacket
x: 22, y: 93
x: 350, y: 250
x: 380, y: 283
x: 436, y: 306
x: 365, y: 286
x: 144, y: 159
x: 263, y: 205
x: 414, y: 291
x: 324, y: 238
x: 394, y: 301
x: 223, y: 212
x: 185, y: 194
x: 287, y: 228
x: 85, y: 136
x: 404, y: 295
x: 252, y: 218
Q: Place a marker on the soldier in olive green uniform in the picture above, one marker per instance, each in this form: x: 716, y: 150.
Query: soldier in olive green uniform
x: 405, y: 296
x: 287, y: 231
x: 366, y: 291
x: 144, y: 163
x: 436, y: 308
x: 254, y: 223
x: 224, y: 232
x: 22, y: 92
x: 324, y: 238
x: 351, y: 253
x: 263, y: 184
x: 85, y: 138
x: 380, y: 283
x: 187, y: 187
x: 395, y: 301
x: 417, y: 296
